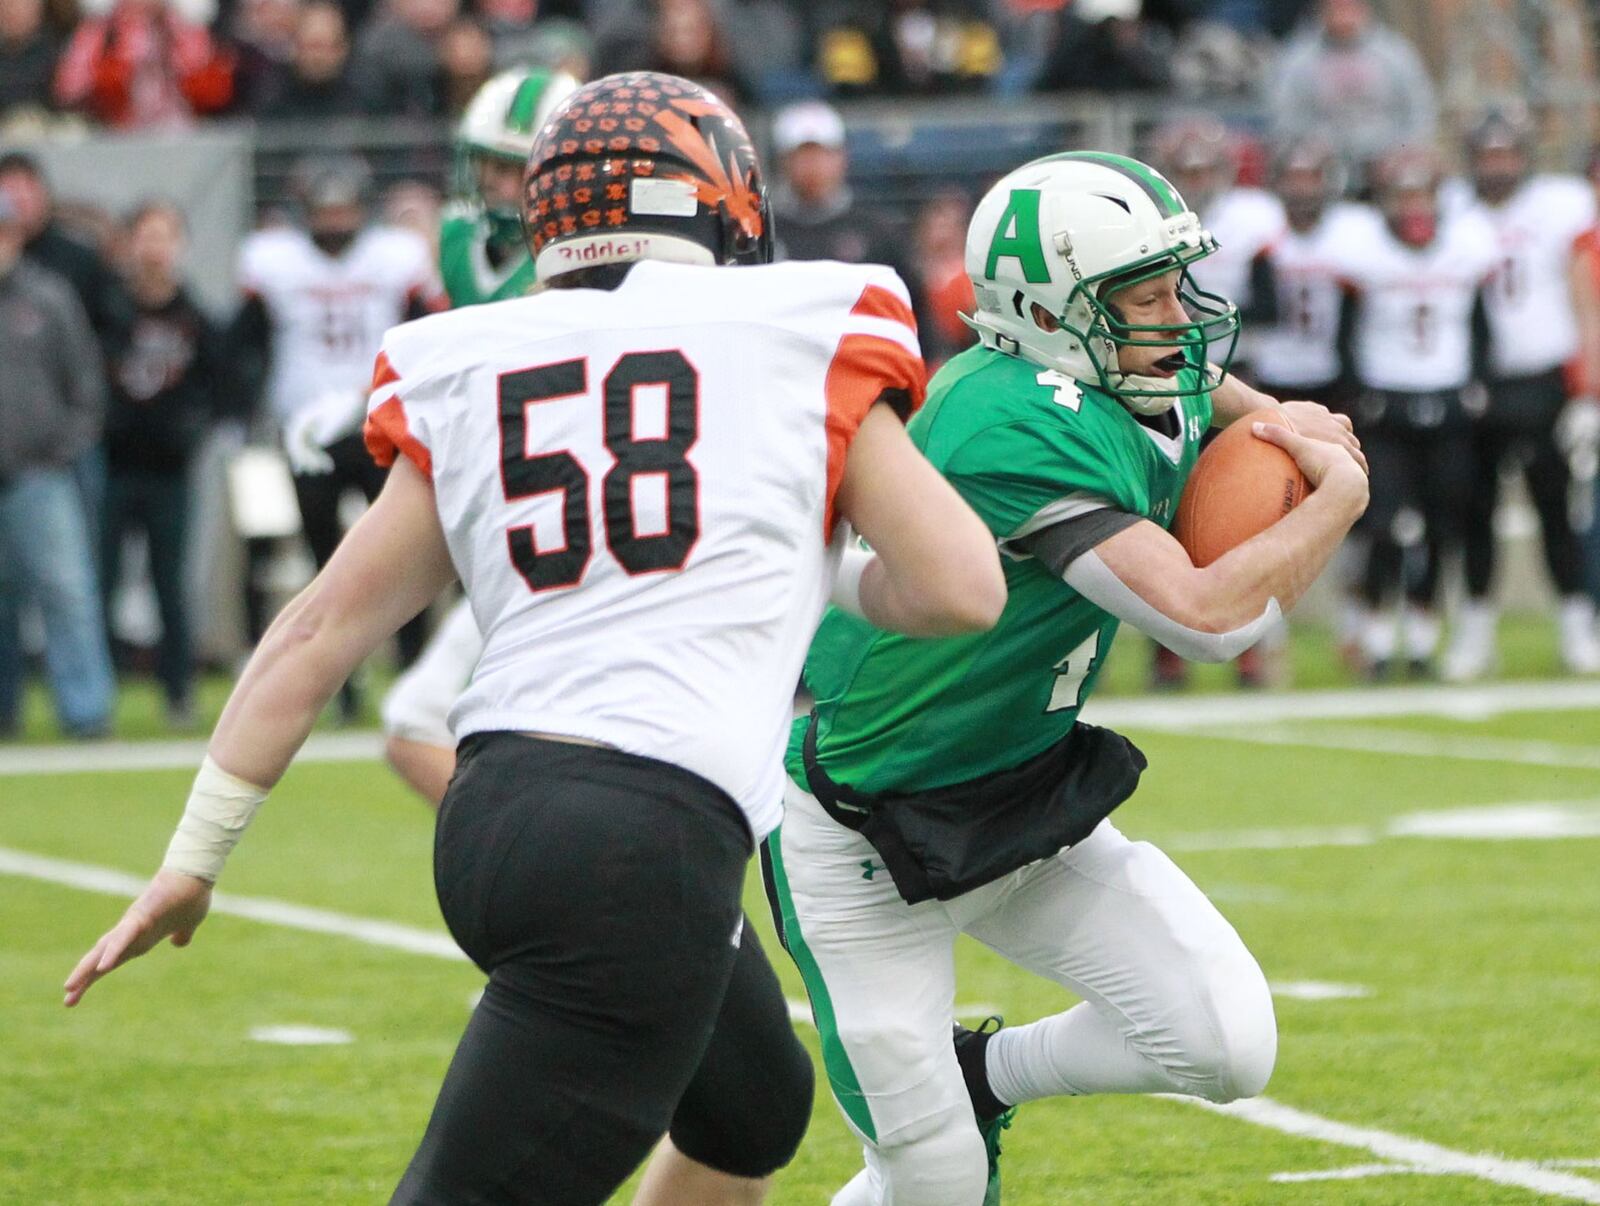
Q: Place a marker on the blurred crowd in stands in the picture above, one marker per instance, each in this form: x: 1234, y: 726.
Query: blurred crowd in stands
x: 1456, y: 318
x: 136, y: 64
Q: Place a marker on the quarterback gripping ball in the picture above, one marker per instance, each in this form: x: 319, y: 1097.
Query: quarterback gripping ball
x: 1240, y: 486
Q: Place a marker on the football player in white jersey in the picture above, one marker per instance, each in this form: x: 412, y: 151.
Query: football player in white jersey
x: 1196, y: 152
x: 1297, y: 295
x: 1533, y: 333
x: 318, y: 299
x: 1417, y: 346
x: 639, y: 472
x: 1197, y: 156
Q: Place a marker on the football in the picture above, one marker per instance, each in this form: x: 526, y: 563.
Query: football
x: 1240, y: 486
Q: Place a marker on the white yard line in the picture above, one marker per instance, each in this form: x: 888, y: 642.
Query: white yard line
x: 89, y: 878
x: 1414, y: 745
x: 1180, y: 712
x: 112, y: 756
x: 1172, y: 713
x: 1417, y: 1154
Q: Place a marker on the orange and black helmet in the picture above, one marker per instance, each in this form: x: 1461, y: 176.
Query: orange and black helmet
x: 644, y: 165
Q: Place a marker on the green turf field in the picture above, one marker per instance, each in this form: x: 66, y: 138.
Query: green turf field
x: 1463, y: 1067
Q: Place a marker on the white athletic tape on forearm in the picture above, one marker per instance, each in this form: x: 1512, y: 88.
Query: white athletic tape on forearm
x: 1093, y: 579
x: 847, y: 583
x: 219, y: 810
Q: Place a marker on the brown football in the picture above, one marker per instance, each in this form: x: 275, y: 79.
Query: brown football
x: 1241, y: 485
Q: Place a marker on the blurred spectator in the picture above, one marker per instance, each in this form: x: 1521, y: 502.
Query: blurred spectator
x: 397, y: 57
x: 1355, y: 82
x: 100, y: 290
x: 682, y: 37
x: 910, y: 47
x: 1533, y: 333
x: 466, y: 60
x: 165, y: 390
x: 1418, y: 346
x: 317, y: 82
x: 143, y: 65
x: 815, y: 214
x: 1105, y: 46
x: 263, y: 44
x: 51, y: 407
x: 27, y: 57
x: 941, y: 290
x: 318, y: 298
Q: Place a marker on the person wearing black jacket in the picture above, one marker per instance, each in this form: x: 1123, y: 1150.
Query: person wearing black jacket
x: 165, y: 388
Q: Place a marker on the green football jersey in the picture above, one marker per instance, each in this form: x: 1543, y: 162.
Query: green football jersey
x: 469, y: 278
x: 1026, y: 448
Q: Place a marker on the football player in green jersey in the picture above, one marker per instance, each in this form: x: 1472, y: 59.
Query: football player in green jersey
x: 482, y: 254
x: 945, y: 786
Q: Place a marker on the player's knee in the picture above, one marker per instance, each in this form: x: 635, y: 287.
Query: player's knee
x: 938, y: 1161
x: 1234, y: 1045
x: 755, y: 1137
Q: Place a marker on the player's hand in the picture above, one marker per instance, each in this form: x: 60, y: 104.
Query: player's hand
x: 1315, y: 421
x: 173, y: 905
x: 1578, y: 428
x: 1322, y: 461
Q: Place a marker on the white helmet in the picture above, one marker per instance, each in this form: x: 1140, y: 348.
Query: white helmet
x: 1056, y: 233
x: 503, y: 117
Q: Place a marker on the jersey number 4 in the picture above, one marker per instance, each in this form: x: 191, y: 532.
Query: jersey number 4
x: 664, y: 457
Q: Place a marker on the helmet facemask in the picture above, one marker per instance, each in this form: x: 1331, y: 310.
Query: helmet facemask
x: 1212, y: 321
x: 1103, y: 224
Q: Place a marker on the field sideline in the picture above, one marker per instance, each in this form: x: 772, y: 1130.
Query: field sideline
x: 1414, y: 867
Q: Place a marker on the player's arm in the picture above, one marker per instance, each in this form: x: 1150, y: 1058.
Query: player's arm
x: 1142, y: 575
x: 392, y: 564
x: 935, y: 569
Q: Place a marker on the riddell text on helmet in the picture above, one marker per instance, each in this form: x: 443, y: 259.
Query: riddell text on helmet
x: 603, y: 251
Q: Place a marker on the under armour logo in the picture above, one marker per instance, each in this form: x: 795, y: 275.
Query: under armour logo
x: 870, y: 868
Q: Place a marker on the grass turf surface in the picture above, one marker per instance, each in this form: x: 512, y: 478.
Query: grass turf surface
x: 1478, y: 1033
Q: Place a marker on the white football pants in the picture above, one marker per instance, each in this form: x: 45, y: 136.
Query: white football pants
x: 1172, y: 1000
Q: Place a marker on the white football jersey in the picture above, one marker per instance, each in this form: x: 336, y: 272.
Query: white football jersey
x: 1301, y: 349
x: 637, y: 485
x: 1414, y: 332
x: 1243, y: 221
x: 1532, y: 327
x: 328, y: 313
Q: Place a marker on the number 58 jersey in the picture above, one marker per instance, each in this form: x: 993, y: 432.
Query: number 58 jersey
x: 637, y: 489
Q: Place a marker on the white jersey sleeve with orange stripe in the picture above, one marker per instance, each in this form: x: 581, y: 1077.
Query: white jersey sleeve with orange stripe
x: 637, y: 487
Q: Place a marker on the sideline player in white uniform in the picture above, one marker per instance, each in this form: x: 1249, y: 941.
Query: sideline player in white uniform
x: 1533, y: 333
x: 945, y: 787
x: 1299, y: 296
x: 318, y: 299
x: 1197, y: 154
x: 636, y: 472
x: 1418, y: 344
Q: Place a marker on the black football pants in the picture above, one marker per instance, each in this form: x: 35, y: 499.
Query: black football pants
x: 1521, y: 423
x: 601, y: 893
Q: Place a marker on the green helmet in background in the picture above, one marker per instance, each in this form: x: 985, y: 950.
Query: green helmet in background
x: 500, y: 122
x: 1064, y: 233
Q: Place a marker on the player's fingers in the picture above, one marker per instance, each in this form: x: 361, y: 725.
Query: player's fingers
x: 1276, y: 433
x: 119, y: 944
x: 84, y: 973
x: 183, y: 938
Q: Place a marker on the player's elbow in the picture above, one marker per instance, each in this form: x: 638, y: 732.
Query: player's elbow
x: 967, y: 602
